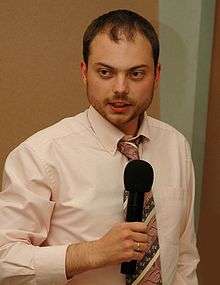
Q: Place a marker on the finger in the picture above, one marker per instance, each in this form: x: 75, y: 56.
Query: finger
x: 138, y: 255
x: 140, y: 247
x: 140, y: 237
x: 137, y: 226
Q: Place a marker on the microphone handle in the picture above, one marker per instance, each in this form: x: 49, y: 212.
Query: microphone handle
x: 128, y: 268
x: 134, y: 214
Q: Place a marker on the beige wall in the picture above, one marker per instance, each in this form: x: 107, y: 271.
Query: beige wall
x: 209, y: 229
x: 40, y: 52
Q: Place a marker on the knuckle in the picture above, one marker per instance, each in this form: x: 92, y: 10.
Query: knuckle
x: 125, y: 234
x: 139, y: 256
x: 145, y: 239
x: 128, y: 244
x: 129, y: 255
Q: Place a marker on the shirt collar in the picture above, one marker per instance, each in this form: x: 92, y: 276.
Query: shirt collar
x: 108, y: 134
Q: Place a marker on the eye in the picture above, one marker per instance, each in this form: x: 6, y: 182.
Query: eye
x: 137, y: 74
x: 105, y: 73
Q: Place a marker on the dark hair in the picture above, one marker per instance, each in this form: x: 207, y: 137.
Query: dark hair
x: 119, y: 22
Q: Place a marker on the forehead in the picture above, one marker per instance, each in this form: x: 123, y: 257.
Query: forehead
x: 121, y: 54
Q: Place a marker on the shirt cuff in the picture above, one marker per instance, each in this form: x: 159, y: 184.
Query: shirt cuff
x: 50, y: 265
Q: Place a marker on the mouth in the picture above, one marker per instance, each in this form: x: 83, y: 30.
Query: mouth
x: 119, y: 106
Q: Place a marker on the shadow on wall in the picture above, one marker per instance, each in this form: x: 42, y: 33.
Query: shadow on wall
x: 177, y: 105
x: 174, y: 77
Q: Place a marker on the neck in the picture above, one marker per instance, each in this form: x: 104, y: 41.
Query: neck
x: 133, y: 130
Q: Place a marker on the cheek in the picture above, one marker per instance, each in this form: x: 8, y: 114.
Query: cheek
x: 98, y: 89
x: 143, y: 91
x: 95, y: 93
x: 92, y: 83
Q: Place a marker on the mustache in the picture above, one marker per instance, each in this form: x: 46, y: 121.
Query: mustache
x: 120, y: 97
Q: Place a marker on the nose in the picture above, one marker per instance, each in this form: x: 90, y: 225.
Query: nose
x: 120, y: 85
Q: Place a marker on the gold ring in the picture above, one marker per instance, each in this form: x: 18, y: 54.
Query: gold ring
x: 138, y: 246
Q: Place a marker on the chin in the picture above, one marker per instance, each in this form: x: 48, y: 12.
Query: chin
x: 117, y: 119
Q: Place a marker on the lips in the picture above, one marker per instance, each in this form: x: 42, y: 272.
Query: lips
x: 119, y: 106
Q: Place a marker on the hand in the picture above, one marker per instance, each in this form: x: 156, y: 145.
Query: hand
x: 124, y: 242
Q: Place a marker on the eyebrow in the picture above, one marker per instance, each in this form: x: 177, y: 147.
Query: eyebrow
x: 112, y: 67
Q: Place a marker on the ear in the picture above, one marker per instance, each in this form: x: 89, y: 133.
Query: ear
x: 83, y: 71
x: 157, y: 75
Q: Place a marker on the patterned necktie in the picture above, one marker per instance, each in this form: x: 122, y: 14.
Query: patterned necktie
x: 148, y: 270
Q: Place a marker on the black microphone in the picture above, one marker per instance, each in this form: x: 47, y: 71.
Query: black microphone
x: 138, y: 179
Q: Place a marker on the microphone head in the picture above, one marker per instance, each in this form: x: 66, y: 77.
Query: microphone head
x: 138, y: 176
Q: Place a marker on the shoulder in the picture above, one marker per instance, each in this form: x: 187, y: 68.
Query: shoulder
x: 157, y: 126
x: 65, y: 129
x: 167, y: 135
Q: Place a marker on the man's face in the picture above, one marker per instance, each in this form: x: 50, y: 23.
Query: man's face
x: 120, y: 79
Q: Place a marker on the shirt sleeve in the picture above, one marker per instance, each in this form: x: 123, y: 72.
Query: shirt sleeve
x: 188, y: 253
x: 25, y: 212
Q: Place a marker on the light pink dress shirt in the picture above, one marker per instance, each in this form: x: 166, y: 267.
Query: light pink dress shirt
x: 65, y: 185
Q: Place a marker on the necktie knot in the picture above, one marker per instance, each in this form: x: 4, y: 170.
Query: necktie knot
x: 129, y: 148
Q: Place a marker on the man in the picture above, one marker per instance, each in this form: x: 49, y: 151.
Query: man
x: 61, y: 209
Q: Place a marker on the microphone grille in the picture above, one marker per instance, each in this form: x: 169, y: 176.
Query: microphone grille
x: 138, y: 176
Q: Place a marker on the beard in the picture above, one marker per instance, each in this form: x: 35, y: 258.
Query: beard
x: 130, y: 119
